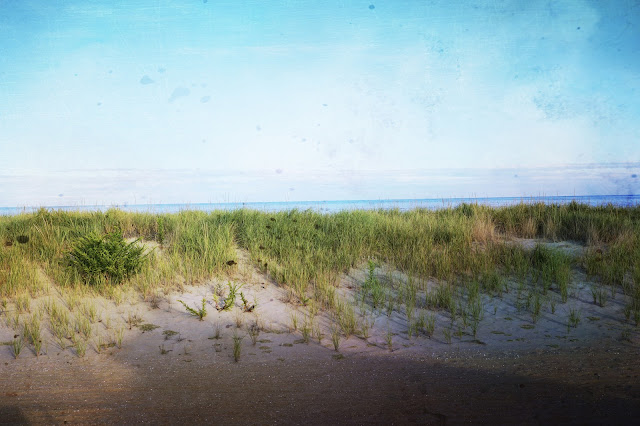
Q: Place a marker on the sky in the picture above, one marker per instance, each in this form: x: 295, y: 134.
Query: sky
x: 193, y: 101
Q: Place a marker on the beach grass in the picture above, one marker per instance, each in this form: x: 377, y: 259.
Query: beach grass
x: 453, y: 258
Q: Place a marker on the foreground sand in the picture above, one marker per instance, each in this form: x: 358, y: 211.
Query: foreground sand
x: 508, y: 374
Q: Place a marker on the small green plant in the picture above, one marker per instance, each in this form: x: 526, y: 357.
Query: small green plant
x: 304, y: 300
x: 230, y: 300
x: 600, y: 296
x: 390, y: 305
x: 23, y: 303
x: 536, y: 306
x: 447, y: 335
x: 246, y: 306
x: 72, y: 300
x: 239, y: 319
x: 133, y: 320
x: 347, y: 319
x: 254, y: 332
x: 197, y: 312
x: 366, y: 327
x: 306, y: 331
x: 90, y: 311
x: 16, y: 346
x: 625, y: 335
x: 389, y: 339
x: 119, y: 336
x: 31, y: 331
x: 317, y: 333
x: 237, y: 347
x: 430, y: 324
x: 217, y: 331
x: 80, y: 346
x: 99, y: 342
x: 107, y: 258
x: 294, y: 320
x: 160, y: 235
x: 169, y: 334
x: 83, y: 325
x: 148, y: 327
x: 335, y: 337
x: 574, y: 318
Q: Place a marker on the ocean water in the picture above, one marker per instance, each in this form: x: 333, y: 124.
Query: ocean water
x: 346, y: 205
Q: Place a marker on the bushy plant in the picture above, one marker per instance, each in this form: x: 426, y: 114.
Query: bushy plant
x: 107, y: 258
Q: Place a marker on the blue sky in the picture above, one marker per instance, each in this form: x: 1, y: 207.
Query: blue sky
x: 198, y: 101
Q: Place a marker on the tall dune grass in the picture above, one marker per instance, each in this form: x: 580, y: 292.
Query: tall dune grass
x: 308, y: 251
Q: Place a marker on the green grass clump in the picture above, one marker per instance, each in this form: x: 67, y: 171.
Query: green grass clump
x: 107, y: 258
x: 237, y: 347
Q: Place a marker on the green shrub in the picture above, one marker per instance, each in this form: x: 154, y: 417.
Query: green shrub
x: 107, y: 258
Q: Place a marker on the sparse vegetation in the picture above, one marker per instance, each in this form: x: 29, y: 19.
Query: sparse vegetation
x: 237, y: 347
x: 200, y: 313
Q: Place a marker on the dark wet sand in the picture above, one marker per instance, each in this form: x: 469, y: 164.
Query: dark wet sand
x: 576, y: 386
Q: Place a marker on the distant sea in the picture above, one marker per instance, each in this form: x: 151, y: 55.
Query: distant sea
x: 346, y: 205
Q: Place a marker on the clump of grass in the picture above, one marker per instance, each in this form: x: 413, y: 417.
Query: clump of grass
x: 430, y: 325
x: 16, y: 346
x: 230, y: 300
x: 119, y: 335
x: 99, y: 342
x: 552, y: 305
x: 217, y: 331
x: 31, y: 331
x: 72, y: 300
x: 476, y: 310
x: 237, y: 347
x: 107, y: 258
x: 23, y: 303
x: 294, y: 320
x: 254, y: 331
x: 536, y: 306
x: 239, y: 319
x: 335, y: 337
x: 346, y: 317
x: 446, y: 332
x: 133, y: 320
x: 200, y: 313
x: 83, y: 325
x: 574, y: 318
x: 148, y: 327
x: 89, y: 309
x: 317, y: 333
x: 600, y: 296
x: 306, y: 330
x: 365, y: 326
x: 80, y: 345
